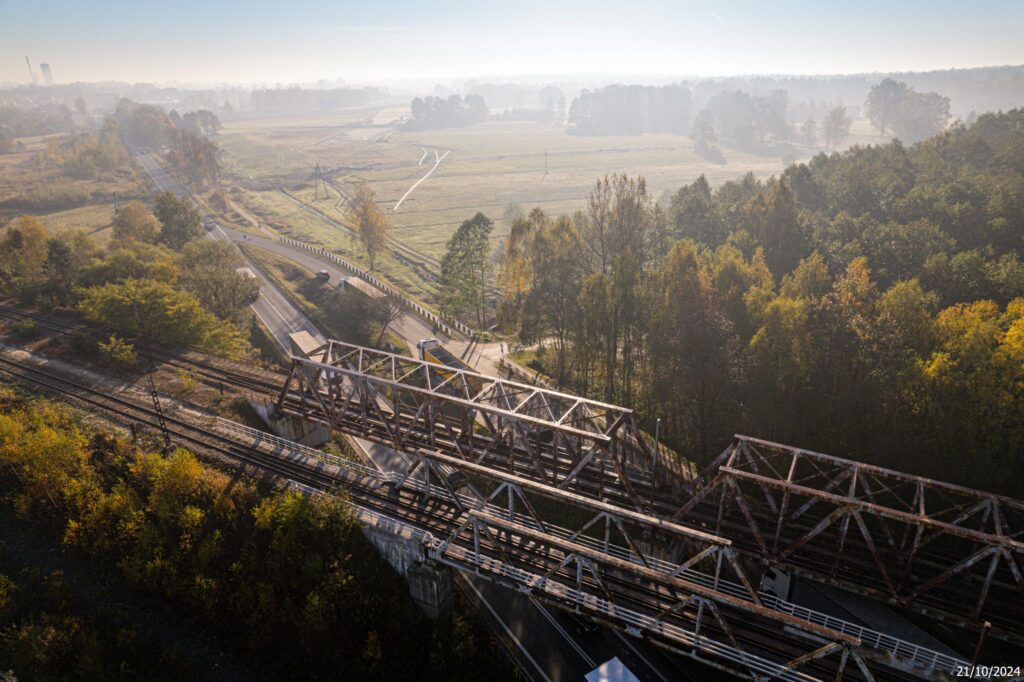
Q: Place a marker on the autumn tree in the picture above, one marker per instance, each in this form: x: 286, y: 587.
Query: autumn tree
x: 552, y: 306
x: 23, y: 250
x: 836, y: 127
x: 160, y: 313
x: 912, y: 116
x: 135, y: 222
x: 809, y: 132
x: 210, y: 270
x: 384, y: 312
x: 67, y: 256
x: 702, y: 132
x: 773, y: 219
x: 693, y: 353
x: 371, y: 225
x: 618, y: 230
x: 195, y: 159
x: 884, y: 102
x: 465, y: 269
x: 692, y: 214
x: 179, y: 220
x: 514, y: 264
x: 203, y: 121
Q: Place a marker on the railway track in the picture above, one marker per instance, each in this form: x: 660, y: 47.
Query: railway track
x: 436, y: 513
x: 214, y: 373
x: 451, y: 429
x: 815, y: 561
x: 591, y: 486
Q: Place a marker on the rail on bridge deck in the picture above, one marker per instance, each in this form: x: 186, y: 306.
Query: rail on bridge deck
x: 942, y: 550
x: 945, y: 551
x: 410, y: 403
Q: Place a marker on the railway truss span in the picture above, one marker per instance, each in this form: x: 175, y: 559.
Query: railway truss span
x: 942, y: 550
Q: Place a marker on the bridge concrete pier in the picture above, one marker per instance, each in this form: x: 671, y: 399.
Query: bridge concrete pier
x: 430, y: 583
x: 310, y: 434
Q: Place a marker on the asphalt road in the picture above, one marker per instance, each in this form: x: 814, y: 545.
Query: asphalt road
x: 274, y: 310
x: 549, y: 645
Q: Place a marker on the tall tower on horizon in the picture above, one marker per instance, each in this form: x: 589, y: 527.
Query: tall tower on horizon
x: 30, y: 71
x: 47, y: 74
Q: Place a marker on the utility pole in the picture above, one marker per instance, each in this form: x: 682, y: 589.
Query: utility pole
x: 153, y: 394
x: 654, y: 464
x: 318, y: 179
x: 168, y: 445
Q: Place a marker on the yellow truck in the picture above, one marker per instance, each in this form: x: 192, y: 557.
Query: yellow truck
x: 431, y: 350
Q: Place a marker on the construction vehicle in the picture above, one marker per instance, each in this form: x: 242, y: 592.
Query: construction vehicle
x: 431, y: 350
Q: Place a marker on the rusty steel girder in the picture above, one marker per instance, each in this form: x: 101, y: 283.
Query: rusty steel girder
x: 700, y: 602
x: 408, y: 403
x: 943, y: 550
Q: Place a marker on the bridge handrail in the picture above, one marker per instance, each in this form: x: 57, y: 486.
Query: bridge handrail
x: 916, y: 654
x: 301, y: 449
x: 463, y: 558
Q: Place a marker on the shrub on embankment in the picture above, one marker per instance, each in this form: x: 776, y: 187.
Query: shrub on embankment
x: 285, y: 583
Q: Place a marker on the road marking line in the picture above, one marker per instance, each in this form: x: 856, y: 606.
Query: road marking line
x: 505, y: 627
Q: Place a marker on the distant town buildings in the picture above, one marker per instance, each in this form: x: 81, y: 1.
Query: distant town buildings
x: 47, y: 74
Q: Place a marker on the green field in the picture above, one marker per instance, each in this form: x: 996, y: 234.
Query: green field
x: 488, y: 166
x: 94, y: 220
x: 280, y: 215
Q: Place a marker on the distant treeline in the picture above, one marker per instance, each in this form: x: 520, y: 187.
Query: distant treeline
x: 632, y: 110
x: 748, y: 112
x: 38, y: 120
x: 299, y: 99
x: 508, y: 97
x: 997, y: 88
x: 535, y: 115
x: 746, y: 121
x: 451, y: 112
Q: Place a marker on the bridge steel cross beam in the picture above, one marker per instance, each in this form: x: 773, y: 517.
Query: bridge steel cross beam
x: 409, y: 403
x: 726, y: 631
x: 942, y: 550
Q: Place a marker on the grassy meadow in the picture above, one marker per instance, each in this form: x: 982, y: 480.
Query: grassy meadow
x: 488, y: 166
x: 95, y: 220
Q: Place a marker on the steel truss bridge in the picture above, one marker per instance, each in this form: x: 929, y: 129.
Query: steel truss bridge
x: 659, y: 549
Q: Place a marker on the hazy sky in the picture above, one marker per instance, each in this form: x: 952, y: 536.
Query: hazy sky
x: 305, y: 40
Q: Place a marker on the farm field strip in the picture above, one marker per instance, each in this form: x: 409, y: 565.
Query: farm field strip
x: 489, y: 166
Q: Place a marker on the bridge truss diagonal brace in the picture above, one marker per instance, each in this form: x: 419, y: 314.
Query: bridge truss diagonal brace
x: 589, y: 570
x: 406, y: 401
x: 939, y: 549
